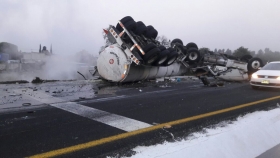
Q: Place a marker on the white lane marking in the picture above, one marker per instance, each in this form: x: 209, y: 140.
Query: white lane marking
x: 161, y: 91
x: 120, y: 122
x: 104, y: 99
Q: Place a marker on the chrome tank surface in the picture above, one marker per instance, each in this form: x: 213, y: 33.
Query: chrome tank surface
x: 113, y: 65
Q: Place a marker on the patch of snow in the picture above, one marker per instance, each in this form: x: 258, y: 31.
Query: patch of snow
x: 249, y: 136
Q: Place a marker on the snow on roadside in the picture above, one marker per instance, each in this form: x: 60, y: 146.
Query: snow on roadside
x: 249, y: 136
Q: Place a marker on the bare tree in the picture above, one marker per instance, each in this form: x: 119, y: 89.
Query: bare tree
x: 163, y: 41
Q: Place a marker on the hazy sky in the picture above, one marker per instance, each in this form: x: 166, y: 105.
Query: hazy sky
x: 73, y: 25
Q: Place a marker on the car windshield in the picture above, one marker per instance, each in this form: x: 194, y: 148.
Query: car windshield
x: 272, y: 66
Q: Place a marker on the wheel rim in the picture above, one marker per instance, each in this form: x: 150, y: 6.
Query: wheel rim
x: 256, y: 64
x: 193, y: 56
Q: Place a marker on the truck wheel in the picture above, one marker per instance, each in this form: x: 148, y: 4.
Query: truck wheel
x: 150, y: 27
x: 131, y: 25
x: 141, y: 28
x: 254, y: 64
x: 171, y: 49
x: 162, y: 48
x: 193, y: 55
x: 246, y: 58
x: 123, y: 20
x: 176, y: 40
x: 151, y: 56
x: 151, y: 32
x: 126, y: 19
x: 191, y: 45
x: 172, y: 56
x: 161, y: 57
x: 149, y: 47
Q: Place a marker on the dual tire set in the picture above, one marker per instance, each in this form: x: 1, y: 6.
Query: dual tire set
x: 191, y: 51
x: 155, y: 54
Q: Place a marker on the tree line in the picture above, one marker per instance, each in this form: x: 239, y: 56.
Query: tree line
x: 266, y: 55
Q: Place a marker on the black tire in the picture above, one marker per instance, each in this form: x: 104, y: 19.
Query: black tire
x: 150, y: 27
x: 119, y: 28
x: 126, y: 19
x: 162, y: 48
x: 151, y: 56
x: 176, y: 40
x: 254, y: 64
x: 171, y: 49
x: 172, y: 56
x: 246, y: 58
x: 193, y: 55
x: 162, y: 57
x: 123, y: 21
x: 128, y: 22
x: 149, y: 47
x: 131, y: 25
x: 141, y: 28
x: 151, y: 32
x: 191, y: 45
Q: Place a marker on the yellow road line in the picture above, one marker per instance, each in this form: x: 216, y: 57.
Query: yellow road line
x: 144, y: 130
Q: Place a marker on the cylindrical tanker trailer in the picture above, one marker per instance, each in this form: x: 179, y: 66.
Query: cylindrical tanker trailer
x: 135, y: 55
x: 114, y: 65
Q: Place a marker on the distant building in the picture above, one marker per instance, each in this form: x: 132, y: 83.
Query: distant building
x: 12, y: 59
x: 45, y: 50
x: 11, y: 50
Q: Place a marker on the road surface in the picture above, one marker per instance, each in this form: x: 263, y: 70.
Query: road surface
x: 111, y: 119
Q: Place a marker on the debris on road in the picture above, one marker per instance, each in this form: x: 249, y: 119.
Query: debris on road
x: 26, y: 104
x: 37, y: 80
x: 81, y: 75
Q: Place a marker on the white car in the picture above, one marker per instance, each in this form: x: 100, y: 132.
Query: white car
x: 267, y: 76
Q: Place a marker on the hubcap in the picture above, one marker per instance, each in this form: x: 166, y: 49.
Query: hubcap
x: 256, y: 64
x: 193, y: 56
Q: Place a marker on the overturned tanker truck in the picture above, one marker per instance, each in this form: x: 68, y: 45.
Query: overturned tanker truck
x: 136, y: 55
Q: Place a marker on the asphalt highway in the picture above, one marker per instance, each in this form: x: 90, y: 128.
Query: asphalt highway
x: 120, y: 117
